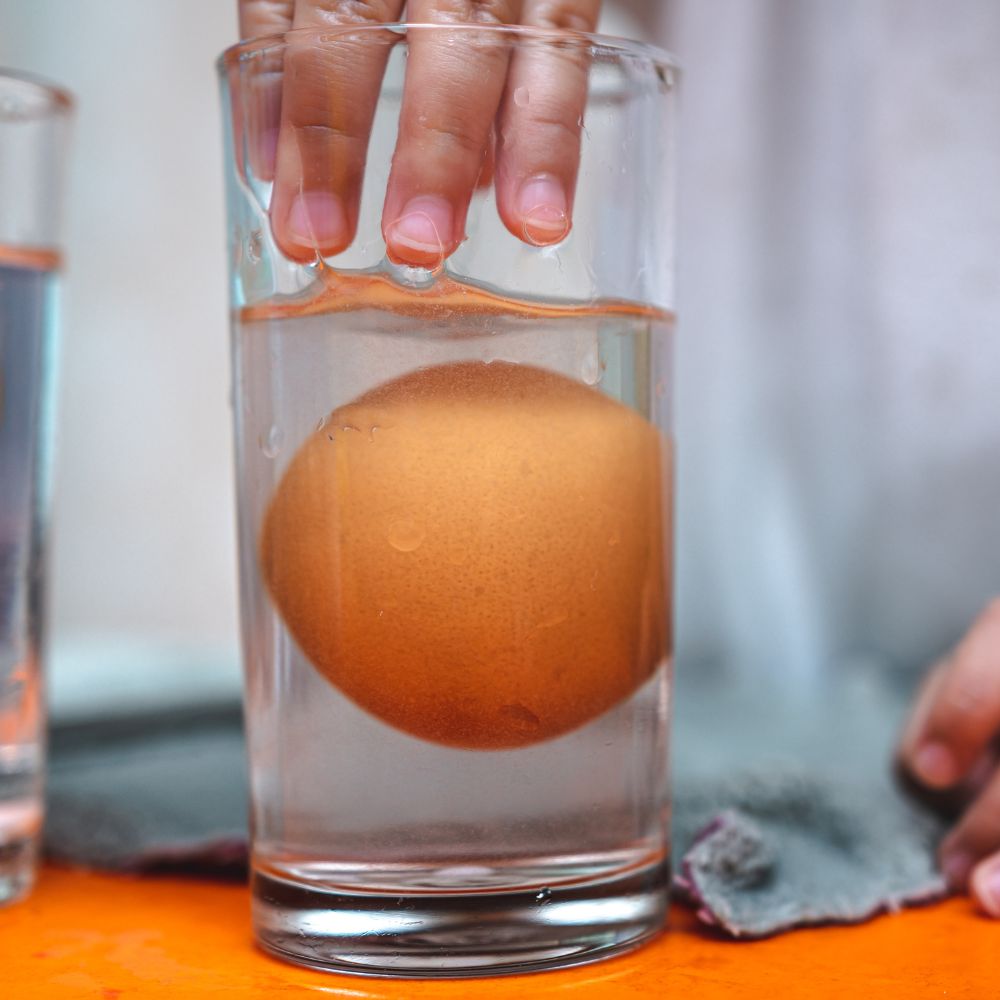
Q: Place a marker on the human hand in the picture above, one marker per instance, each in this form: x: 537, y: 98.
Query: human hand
x: 950, y: 745
x: 323, y: 102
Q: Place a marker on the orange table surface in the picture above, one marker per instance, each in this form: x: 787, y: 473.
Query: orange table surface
x: 109, y: 937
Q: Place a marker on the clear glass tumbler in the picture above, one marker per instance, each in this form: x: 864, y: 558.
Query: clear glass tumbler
x: 34, y: 119
x: 454, y: 489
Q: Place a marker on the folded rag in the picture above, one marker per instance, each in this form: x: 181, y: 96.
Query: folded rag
x: 790, y: 850
x: 810, y: 831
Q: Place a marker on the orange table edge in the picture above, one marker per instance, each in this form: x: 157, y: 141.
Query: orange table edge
x: 90, y: 935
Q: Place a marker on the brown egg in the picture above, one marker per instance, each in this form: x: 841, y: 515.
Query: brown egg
x: 474, y: 553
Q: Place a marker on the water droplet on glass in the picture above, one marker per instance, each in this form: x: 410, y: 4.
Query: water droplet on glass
x: 405, y: 535
x: 590, y: 369
x: 255, y: 246
x: 271, y: 442
x: 665, y: 75
x: 543, y: 895
x: 522, y: 98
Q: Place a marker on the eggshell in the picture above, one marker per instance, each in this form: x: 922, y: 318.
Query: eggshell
x: 474, y: 553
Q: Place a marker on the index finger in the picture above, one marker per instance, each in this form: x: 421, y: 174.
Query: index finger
x: 329, y: 94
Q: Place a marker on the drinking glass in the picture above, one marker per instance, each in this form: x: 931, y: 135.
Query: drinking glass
x: 454, y: 482
x: 34, y: 118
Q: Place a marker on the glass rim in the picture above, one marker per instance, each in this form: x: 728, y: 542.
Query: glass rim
x: 51, y: 98
x: 611, y: 43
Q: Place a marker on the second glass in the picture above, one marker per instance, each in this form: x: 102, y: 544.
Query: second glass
x: 454, y: 485
x: 34, y: 121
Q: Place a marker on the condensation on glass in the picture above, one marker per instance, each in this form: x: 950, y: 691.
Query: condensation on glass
x: 454, y: 490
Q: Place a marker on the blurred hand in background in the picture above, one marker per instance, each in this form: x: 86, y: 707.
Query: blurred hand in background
x: 951, y: 745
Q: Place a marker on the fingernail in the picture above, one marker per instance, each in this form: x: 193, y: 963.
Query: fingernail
x: 986, y: 886
x: 422, y: 235
x: 955, y: 866
x: 541, y: 204
x: 934, y: 764
x: 316, y: 219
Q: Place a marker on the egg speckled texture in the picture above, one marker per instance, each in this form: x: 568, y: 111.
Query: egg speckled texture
x: 474, y: 553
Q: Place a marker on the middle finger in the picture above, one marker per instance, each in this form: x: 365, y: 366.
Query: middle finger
x: 454, y: 82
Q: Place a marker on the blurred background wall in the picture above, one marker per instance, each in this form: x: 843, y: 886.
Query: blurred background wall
x: 838, y: 361
x: 839, y: 354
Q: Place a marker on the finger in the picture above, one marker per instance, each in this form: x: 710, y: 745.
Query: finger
x: 489, y: 164
x: 540, y: 123
x: 958, y: 712
x: 909, y: 743
x: 454, y: 81
x: 976, y: 835
x: 328, y: 101
x: 261, y: 95
x: 259, y: 18
x: 985, y: 885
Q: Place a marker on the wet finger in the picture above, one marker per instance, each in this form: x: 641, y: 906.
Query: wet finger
x: 541, y: 120
x: 329, y: 94
x: 259, y: 18
x: 454, y: 81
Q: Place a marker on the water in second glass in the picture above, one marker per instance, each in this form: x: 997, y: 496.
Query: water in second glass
x: 26, y: 339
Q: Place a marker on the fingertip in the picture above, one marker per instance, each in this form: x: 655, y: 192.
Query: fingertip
x: 423, y: 233
x: 985, y: 886
x: 542, y: 210
x: 935, y: 765
x: 315, y: 225
x: 956, y: 864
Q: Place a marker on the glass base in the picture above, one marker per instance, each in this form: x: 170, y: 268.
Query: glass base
x: 438, y: 935
x: 18, y: 862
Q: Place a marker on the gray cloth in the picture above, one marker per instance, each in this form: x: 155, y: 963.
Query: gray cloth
x: 158, y: 792
x: 814, y: 835
x: 810, y: 826
x: 772, y: 852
